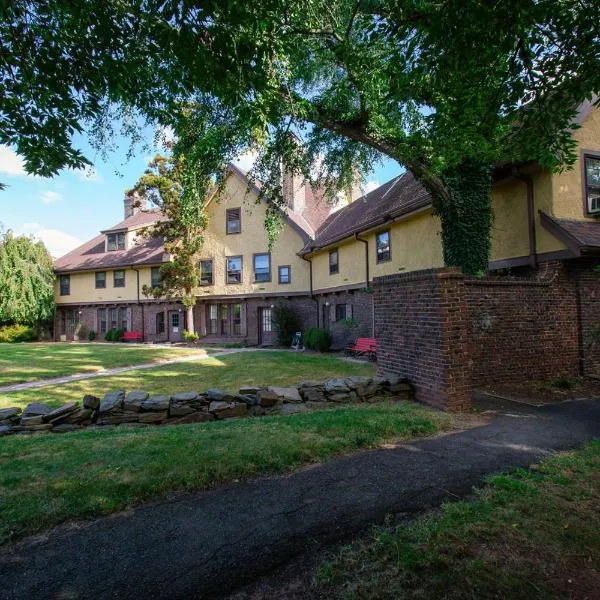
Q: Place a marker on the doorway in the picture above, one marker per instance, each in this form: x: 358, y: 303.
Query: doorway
x: 175, y: 326
x: 265, y: 326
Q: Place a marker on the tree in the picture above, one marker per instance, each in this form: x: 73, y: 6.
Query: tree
x: 445, y: 88
x: 181, y: 230
x: 26, y: 280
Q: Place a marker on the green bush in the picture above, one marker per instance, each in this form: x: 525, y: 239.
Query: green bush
x: 91, y: 335
x: 318, y: 339
x: 114, y: 335
x: 287, y: 323
x: 17, y: 333
x: 190, y: 336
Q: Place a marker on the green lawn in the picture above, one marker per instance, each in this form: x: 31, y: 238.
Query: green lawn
x: 227, y: 372
x: 48, y: 479
x: 533, y: 534
x: 29, y: 362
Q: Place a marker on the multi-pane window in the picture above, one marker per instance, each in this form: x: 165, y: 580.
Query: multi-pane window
x: 103, y: 320
x: 212, y: 318
x: 341, y: 312
x: 285, y: 274
x: 124, y: 319
x: 233, y: 220
x: 155, y: 277
x: 115, y: 241
x: 234, y: 269
x: 160, y: 322
x: 175, y: 321
x: 236, y: 315
x: 224, y: 318
x: 267, y: 320
x: 383, y: 246
x: 100, y: 280
x: 206, y: 272
x: 262, y: 267
x: 119, y: 278
x: 592, y: 184
x: 334, y: 261
x: 114, y: 318
x: 65, y: 285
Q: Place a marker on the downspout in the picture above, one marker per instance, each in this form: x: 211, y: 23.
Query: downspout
x: 311, y: 285
x: 367, y: 274
x: 530, y: 216
x: 137, y: 273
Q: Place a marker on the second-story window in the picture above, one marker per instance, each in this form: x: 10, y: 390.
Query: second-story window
x: 285, y: 274
x: 155, y: 277
x: 100, y: 280
x: 65, y: 285
x: 262, y: 267
x: 592, y: 184
x: 334, y: 261
x: 233, y: 220
x: 382, y: 240
x: 115, y: 241
x: 234, y: 269
x: 118, y: 279
x: 206, y: 272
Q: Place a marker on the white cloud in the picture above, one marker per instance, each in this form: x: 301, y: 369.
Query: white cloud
x: 49, y: 197
x: 58, y: 242
x: 371, y: 185
x: 10, y: 162
x: 245, y: 161
x: 90, y: 174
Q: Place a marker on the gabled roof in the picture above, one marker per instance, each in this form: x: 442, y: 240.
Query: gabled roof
x: 581, y: 237
x: 138, y: 220
x: 400, y: 196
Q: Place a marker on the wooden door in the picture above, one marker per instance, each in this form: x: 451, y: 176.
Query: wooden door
x: 266, y: 336
x: 175, y: 326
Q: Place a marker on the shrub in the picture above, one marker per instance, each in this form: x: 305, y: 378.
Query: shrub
x: 190, y: 336
x: 287, y: 323
x: 114, y: 335
x: 17, y: 333
x: 91, y: 335
x: 318, y: 339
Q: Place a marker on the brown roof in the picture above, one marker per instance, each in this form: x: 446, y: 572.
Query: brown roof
x: 140, y: 219
x: 581, y: 237
x: 400, y: 196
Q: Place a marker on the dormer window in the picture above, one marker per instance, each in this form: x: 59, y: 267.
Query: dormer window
x: 115, y: 241
x: 592, y: 183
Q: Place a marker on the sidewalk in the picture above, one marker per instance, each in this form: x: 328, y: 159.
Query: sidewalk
x: 204, y: 544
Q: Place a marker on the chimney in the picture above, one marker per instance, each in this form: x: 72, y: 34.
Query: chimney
x: 133, y: 204
x: 293, y: 189
x: 355, y: 191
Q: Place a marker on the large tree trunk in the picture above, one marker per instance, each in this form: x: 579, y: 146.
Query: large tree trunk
x: 190, y: 319
x: 466, y: 217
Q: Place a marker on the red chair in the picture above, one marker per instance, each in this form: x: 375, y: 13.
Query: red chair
x: 363, y: 347
x: 132, y: 336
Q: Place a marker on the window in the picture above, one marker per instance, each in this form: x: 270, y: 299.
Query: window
x: 334, y: 262
x: 262, y: 267
x: 103, y: 320
x: 175, y: 321
x: 383, y: 246
x: 100, y: 280
x: 224, y: 319
x: 115, y: 241
x: 285, y: 274
x: 212, y: 319
x: 236, y: 311
x: 233, y: 220
x: 65, y: 285
x: 160, y: 322
x: 592, y: 184
x: 326, y: 316
x: 234, y: 269
x: 340, y: 312
x: 155, y: 277
x: 118, y: 278
x: 114, y: 318
x: 206, y: 272
x: 124, y: 319
x: 267, y: 320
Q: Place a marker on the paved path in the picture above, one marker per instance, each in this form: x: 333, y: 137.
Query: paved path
x: 105, y: 372
x: 206, y: 543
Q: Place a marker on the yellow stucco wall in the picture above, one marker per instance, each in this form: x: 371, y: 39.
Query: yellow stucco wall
x: 252, y: 240
x: 568, y: 199
x: 351, y: 260
x: 83, y: 287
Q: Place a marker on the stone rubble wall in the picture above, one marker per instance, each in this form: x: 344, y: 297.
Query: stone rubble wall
x: 140, y: 408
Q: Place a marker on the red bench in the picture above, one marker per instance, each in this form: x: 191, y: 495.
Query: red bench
x: 132, y: 336
x: 363, y: 347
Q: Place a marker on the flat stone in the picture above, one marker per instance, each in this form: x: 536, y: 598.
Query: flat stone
x: 249, y: 390
x: 5, y: 429
x: 248, y: 399
x: 154, y: 417
x: 60, y: 412
x: 267, y: 398
x: 287, y: 394
x: 9, y: 413
x: 91, y: 402
x: 336, y: 386
x: 36, y: 408
x: 133, y: 400
x: 215, y: 395
x: 183, y: 397
x: 112, y: 401
x: 310, y: 384
x: 291, y: 409
x: 311, y: 394
x: 275, y: 409
x: 227, y: 410
x: 37, y: 420
x: 257, y: 411
x: 197, y: 417
x: 118, y: 417
x: 343, y: 397
x: 180, y: 410
x: 65, y: 428
x: 83, y: 415
x: 156, y: 403
x: 39, y: 427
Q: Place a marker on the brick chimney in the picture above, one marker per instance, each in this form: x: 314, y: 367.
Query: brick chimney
x: 133, y: 203
x: 293, y: 189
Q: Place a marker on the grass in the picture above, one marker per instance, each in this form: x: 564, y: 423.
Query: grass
x: 48, y: 479
x: 227, y: 372
x: 532, y: 534
x: 20, y: 363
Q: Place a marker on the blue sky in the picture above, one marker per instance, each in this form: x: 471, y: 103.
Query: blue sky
x: 72, y: 207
